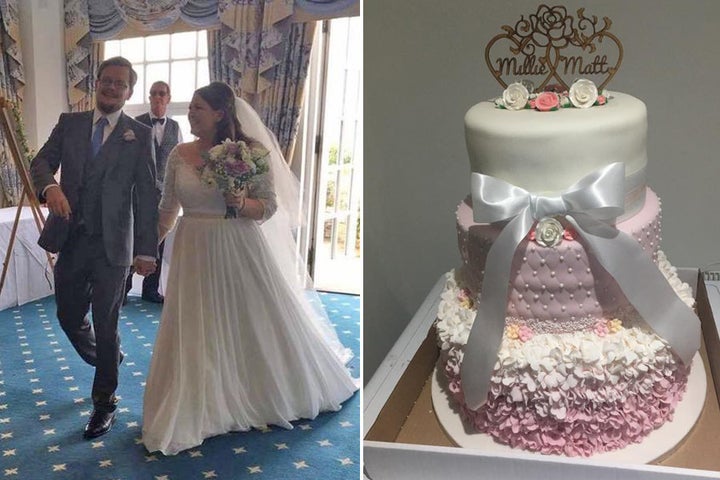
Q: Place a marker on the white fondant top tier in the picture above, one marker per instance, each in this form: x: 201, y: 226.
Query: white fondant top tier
x: 546, y: 152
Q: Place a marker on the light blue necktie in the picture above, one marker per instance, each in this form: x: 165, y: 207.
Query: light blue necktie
x: 97, y: 137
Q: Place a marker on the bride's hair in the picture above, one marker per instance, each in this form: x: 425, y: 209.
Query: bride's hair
x: 220, y: 96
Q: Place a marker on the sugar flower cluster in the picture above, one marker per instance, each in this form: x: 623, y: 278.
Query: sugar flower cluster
x: 582, y: 94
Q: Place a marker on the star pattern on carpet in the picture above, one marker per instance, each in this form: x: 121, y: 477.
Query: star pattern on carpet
x: 41, y: 428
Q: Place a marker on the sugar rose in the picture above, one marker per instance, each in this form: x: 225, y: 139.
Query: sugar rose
x: 515, y: 96
x: 547, y: 101
x: 548, y: 232
x: 583, y: 93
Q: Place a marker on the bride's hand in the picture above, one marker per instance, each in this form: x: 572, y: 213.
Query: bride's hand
x: 236, y: 200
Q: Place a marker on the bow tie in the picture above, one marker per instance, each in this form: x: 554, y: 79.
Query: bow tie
x: 161, y: 121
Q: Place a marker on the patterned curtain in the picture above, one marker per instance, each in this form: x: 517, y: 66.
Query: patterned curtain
x: 264, y: 56
x: 82, y: 56
x: 12, y: 82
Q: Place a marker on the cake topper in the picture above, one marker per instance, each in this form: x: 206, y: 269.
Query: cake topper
x: 551, y: 47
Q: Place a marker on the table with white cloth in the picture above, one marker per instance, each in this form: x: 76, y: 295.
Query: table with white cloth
x: 29, y: 275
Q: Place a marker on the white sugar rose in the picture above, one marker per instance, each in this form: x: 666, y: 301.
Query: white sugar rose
x: 515, y: 96
x: 583, y: 93
x: 548, y: 232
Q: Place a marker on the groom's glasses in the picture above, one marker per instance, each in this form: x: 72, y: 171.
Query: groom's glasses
x: 119, y: 84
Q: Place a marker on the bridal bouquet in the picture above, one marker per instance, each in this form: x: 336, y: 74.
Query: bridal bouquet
x: 230, y: 165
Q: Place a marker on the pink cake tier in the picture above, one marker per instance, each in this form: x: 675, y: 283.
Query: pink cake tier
x: 555, y: 289
x: 604, y: 385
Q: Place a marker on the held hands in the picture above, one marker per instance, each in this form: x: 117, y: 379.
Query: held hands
x: 57, y: 202
x: 144, y: 267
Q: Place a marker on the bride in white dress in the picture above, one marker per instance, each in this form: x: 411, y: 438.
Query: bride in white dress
x: 239, y: 345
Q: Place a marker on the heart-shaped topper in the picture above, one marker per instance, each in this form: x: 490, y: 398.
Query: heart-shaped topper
x: 551, y: 49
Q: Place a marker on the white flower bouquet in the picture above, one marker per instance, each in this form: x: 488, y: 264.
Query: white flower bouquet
x: 230, y: 165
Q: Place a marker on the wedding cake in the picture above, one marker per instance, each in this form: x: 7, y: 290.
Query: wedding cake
x: 564, y: 330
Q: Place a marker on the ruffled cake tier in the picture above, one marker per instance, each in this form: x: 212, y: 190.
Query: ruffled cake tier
x: 601, y: 383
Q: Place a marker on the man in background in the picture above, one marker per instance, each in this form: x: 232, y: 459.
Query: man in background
x: 166, y: 134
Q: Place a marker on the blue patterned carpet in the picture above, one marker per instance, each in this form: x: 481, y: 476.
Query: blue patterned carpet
x: 44, y: 404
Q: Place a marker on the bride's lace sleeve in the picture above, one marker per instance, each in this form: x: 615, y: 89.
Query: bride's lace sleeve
x: 261, y: 188
x: 169, y: 206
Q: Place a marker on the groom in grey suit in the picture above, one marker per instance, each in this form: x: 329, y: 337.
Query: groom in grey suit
x: 105, y: 156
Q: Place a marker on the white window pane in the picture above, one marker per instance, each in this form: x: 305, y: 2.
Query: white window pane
x: 157, y: 47
x: 138, y: 95
x: 112, y: 49
x: 183, y: 45
x: 203, y: 73
x: 182, y: 80
x: 132, y: 49
x: 155, y: 72
x: 202, y: 43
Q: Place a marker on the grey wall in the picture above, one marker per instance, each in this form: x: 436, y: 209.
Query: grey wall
x: 424, y: 67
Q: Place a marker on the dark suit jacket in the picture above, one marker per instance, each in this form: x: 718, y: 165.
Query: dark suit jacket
x: 127, y: 164
x: 168, y: 142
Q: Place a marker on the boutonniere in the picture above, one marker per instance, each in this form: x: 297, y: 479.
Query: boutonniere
x: 129, y: 135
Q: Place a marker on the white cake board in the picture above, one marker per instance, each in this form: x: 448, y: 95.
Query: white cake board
x: 654, y: 446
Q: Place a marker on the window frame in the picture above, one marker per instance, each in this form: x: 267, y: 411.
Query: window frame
x: 176, y: 109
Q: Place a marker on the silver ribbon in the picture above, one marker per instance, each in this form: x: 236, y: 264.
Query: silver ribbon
x: 590, y: 205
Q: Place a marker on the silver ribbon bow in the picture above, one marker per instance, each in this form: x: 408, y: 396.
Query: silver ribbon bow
x: 590, y: 205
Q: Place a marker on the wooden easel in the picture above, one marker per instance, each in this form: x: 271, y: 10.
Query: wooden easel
x: 7, y: 125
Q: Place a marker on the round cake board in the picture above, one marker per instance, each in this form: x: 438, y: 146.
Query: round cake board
x: 660, y: 442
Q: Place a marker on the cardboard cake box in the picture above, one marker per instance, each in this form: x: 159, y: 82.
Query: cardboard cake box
x: 404, y: 440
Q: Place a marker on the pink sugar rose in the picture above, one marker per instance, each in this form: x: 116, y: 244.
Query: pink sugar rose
x: 601, y: 329
x: 569, y: 234
x: 547, y: 101
x: 601, y: 100
x: 454, y: 387
x: 525, y: 333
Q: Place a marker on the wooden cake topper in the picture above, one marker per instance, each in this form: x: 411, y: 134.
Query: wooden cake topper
x: 551, y: 47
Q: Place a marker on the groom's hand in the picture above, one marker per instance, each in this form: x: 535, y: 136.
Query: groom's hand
x: 144, y: 267
x: 57, y: 202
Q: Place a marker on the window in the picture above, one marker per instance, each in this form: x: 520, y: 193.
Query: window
x: 180, y: 59
x: 333, y: 121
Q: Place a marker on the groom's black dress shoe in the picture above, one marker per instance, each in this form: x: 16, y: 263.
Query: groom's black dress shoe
x: 153, y: 297
x: 101, y: 421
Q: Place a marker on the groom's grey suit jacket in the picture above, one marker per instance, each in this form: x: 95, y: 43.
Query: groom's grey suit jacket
x: 124, y: 163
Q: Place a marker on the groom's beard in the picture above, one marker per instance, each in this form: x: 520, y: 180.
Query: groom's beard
x: 109, y: 101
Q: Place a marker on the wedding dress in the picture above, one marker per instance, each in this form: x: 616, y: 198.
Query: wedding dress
x: 238, y: 346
